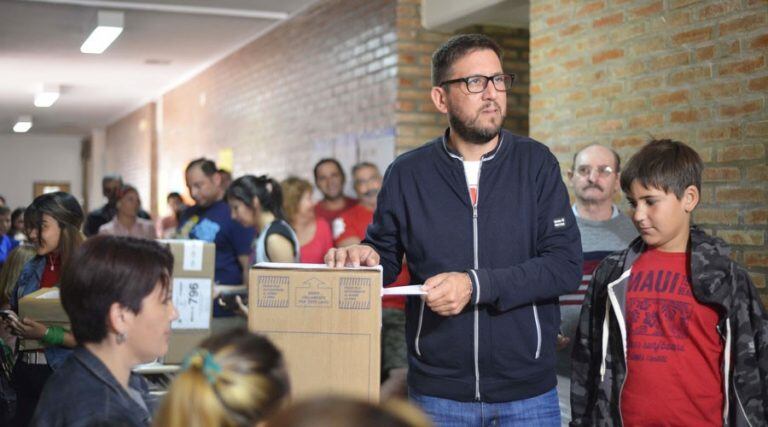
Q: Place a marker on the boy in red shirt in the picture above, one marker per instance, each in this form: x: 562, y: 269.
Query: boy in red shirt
x: 672, y: 332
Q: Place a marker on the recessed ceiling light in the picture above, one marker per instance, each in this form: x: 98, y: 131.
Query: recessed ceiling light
x: 109, y: 26
x: 46, y: 96
x: 23, y: 124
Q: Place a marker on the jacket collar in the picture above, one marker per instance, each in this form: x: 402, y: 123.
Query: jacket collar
x: 93, y: 364
x: 486, y: 157
x: 38, y: 264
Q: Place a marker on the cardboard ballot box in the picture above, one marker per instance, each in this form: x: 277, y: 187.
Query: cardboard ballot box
x: 44, y: 306
x: 327, y: 323
x: 193, y: 268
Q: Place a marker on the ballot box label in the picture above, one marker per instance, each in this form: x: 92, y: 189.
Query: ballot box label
x: 314, y: 293
x: 273, y: 291
x: 354, y: 293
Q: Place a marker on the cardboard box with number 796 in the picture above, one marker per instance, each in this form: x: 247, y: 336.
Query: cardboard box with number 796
x: 193, y: 268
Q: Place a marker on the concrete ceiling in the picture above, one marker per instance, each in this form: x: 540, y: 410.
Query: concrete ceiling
x: 451, y: 15
x: 164, y: 42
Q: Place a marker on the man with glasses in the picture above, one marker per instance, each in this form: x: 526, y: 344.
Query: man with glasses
x: 594, y: 178
x: 484, y: 220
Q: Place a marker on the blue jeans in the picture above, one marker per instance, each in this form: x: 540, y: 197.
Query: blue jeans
x: 542, y: 410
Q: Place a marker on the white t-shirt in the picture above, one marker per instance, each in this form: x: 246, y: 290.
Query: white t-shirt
x: 472, y: 172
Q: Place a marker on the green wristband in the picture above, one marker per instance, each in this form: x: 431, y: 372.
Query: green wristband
x: 54, y: 335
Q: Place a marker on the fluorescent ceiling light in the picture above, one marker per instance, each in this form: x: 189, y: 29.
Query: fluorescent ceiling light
x: 110, y: 25
x: 23, y: 124
x: 46, y: 96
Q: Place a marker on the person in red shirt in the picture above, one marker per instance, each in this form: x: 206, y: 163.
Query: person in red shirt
x: 329, y: 179
x: 349, y: 229
x: 314, y: 233
x: 672, y: 331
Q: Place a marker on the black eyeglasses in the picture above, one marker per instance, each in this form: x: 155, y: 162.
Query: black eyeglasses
x: 477, y: 84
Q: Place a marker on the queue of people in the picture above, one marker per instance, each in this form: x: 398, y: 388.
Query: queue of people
x: 644, y: 317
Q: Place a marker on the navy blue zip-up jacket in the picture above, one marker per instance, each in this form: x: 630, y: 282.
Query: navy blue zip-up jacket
x: 520, y: 246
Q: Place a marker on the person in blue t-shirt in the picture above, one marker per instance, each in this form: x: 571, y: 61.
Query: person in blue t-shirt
x: 210, y: 220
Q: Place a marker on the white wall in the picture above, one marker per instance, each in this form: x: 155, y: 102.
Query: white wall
x: 97, y: 168
x: 25, y: 159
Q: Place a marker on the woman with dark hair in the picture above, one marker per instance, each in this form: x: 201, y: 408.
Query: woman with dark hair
x: 53, y: 223
x: 126, y: 221
x: 237, y: 378
x: 258, y: 202
x: 118, y: 299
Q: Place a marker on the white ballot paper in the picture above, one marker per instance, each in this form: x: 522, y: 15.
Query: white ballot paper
x: 192, y: 298
x: 403, y: 290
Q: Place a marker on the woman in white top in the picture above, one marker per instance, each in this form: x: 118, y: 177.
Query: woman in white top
x: 258, y: 202
x: 127, y: 222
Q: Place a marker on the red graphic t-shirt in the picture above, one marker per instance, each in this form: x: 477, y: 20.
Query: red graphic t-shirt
x: 674, y: 352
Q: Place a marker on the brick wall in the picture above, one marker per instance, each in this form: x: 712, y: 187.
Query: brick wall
x: 129, y: 152
x: 344, y: 78
x: 417, y: 119
x: 320, y: 84
x: 619, y: 72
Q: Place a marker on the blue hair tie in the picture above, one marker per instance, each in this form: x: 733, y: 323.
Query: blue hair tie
x: 203, y: 360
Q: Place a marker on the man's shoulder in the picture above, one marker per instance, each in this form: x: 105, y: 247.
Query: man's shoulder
x: 525, y: 144
x: 418, y: 154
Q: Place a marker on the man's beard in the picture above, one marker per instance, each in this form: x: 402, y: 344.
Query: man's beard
x: 471, y: 133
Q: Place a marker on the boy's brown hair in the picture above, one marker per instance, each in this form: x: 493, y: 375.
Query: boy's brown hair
x: 664, y: 164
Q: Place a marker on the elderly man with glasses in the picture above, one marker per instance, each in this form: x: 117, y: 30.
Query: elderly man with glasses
x: 484, y: 220
x: 594, y: 178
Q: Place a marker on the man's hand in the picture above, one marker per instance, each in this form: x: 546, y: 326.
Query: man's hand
x: 352, y: 256
x: 448, y: 293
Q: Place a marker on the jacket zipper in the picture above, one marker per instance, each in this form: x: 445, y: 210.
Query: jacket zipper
x: 475, y: 239
x: 474, y: 274
x: 477, y: 313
